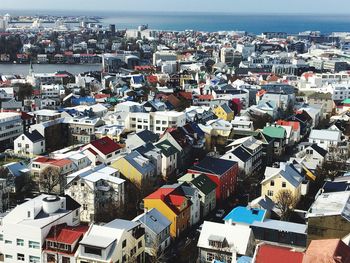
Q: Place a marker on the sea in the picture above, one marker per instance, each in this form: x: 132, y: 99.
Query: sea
x: 208, y: 22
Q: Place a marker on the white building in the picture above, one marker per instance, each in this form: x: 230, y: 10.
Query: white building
x: 10, y: 128
x: 325, y: 138
x: 51, y: 91
x: 6, y: 93
x: 96, y: 188
x: 160, y: 56
x: 24, y: 229
x: 117, y: 241
x: 224, y: 242
x: 30, y: 143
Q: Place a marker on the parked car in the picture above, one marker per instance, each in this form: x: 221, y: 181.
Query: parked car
x: 220, y: 213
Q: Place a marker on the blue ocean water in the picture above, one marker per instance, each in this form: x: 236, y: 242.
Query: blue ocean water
x: 252, y: 23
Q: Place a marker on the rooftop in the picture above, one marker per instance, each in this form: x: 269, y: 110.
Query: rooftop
x: 245, y: 215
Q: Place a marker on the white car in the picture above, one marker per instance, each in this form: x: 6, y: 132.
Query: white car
x: 220, y: 213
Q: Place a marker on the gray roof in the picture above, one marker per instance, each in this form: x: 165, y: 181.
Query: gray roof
x: 132, y: 159
x: 281, y: 226
x: 292, y: 175
x: 325, y: 135
x: 154, y: 220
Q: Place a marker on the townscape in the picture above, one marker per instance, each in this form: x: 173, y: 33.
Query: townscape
x: 185, y: 146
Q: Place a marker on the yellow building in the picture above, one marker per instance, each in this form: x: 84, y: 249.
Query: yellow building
x: 174, y: 205
x: 224, y: 112
x: 284, y: 178
x: 135, y: 168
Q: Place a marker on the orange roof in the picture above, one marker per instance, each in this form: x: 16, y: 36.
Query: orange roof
x: 102, y: 96
x: 327, y: 250
x: 261, y: 92
x: 294, y: 124
x: 307, y: 75
x: 205, y: 97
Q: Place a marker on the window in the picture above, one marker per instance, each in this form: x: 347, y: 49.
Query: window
x: 33, y: 259
x: 20, y: 242
x: 210, y: 257
x: 124, y: 243
x: 269, y: 193
x: 20, y: 257
x: 82, y: 184
x: 85, y: 207
x: 272, y: 183
x: 283, y: 184
x: 8, y: 242
x: 92, y: 250
x: 140, y: 244
x: 33, y: 244
x: 1, y: 237
x: 9, y: 256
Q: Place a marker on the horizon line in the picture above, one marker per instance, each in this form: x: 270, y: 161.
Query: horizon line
x: 174, y: 12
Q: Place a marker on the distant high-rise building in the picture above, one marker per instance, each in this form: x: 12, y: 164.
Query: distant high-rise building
x: 112, y: 28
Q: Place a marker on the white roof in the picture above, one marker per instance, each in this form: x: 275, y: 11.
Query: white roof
x: 237, y: 236
x: 102, y: 236
x: 94, y: 174
x: 19, y: 215
x: 327, y: 204
x: 329, y: 135
x: 47, y: 113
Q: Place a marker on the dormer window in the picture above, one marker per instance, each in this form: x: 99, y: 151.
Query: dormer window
x: 217, y: 241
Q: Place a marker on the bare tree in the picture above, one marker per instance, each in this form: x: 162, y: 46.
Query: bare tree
x: 49, y: 179
x: 156, y: 252
x: 285, y: 202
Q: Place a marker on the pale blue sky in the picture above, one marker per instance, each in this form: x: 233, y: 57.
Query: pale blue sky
x: 235, y: 6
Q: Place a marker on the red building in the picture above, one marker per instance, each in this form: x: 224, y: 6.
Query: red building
x: 223, y: 172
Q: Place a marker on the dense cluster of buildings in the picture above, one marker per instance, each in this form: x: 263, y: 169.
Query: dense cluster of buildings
x: 234, y: 148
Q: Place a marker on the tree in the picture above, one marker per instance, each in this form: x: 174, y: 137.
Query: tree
x: 24, y: 91
x: 259, y: 121
x: 49, y: 179
x: 156, y: 252
x: 285, y: 202
x: 109, y: 210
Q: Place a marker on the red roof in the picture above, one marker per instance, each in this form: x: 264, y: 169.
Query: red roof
x: 152, y: 79
x: 186, y: 95
x: 54, y: 162
x: 327, y: 250
x: 26, y: 116
x: 176, y: 200
x: 66, y: 234
x: 106, y: 145
x: 102, y: 96
x: 294, y: 124
x: 275, y: 254
x: 160, y: 193
x: 205, y: 97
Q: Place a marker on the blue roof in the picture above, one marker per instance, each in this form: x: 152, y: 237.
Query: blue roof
x: 242, y: 214
x: 244, y: 259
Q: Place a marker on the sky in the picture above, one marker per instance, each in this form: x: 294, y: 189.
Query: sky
x: 230, y: 6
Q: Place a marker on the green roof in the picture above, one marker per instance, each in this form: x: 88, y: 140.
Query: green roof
x: 275, y: 132
x: 166, y: 148
x: 204, y: 184
x: 347, y: 101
